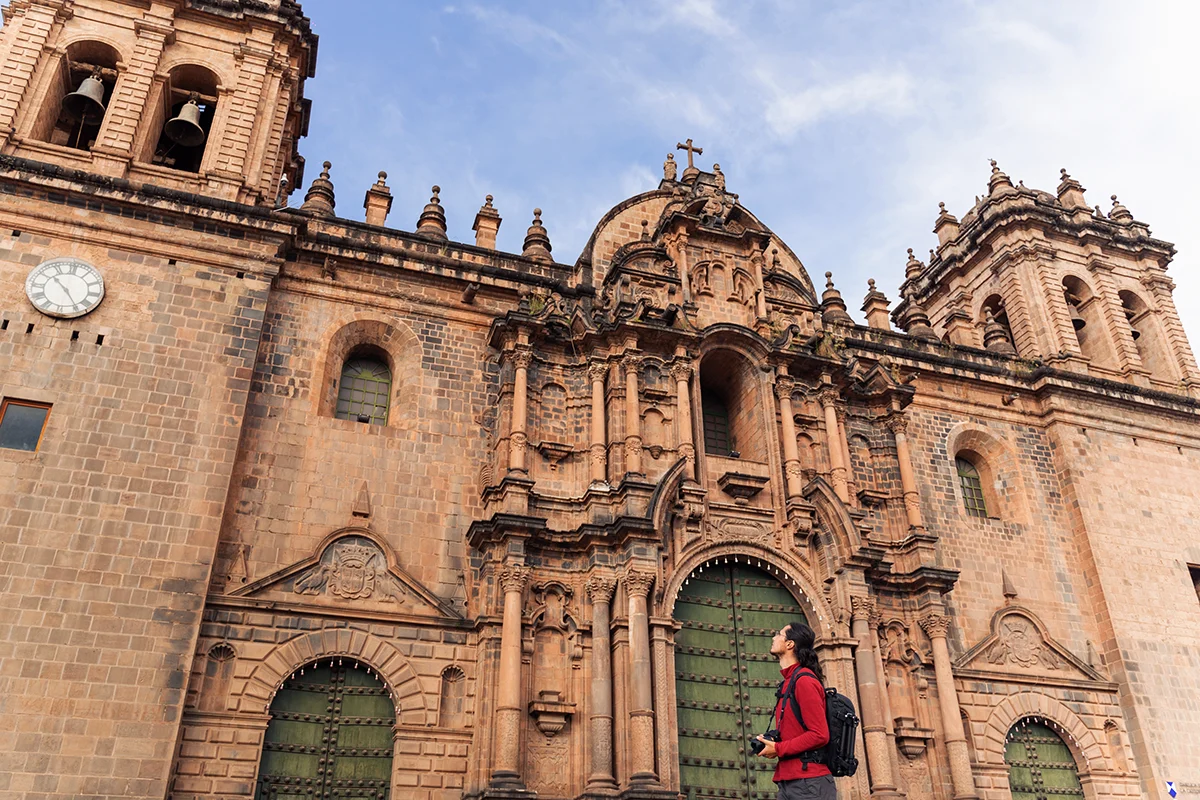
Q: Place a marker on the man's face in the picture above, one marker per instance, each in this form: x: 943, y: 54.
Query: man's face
x: 780, y: 644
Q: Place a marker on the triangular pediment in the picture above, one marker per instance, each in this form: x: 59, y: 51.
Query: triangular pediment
x: 1019, y: 644
x: 351, y: 568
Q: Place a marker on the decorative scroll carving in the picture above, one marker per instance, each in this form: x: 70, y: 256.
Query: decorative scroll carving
x: 862, y: 607
x: 522, y: 358
x: 513, y: 577
x: 896, y: 423
x: 637, y: 582
x: 600, y: 589
x: 1020, y: 643
x: 935, y: 626
x: 681, y: 371
x: 597, y: 371
x: 632, y: 362
x: 739, y: 530
x: 352, y: 569
x: 784, y: 386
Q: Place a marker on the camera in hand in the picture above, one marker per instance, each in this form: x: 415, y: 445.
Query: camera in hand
x: 756, y: 745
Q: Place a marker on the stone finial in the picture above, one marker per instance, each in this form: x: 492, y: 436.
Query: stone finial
x: 916, y: 321
x: 1119, y: 213
x: 1070, y: 192
x: 998, y: 183
x: 833, y: 307
x: 875, y: 306
x: 670, y: 168
x: 645, y: 230
x: 913, y: 267
x: 995, y: 336
x: 432, y: 222
x: 486, y: 225
x: 378, y: 201
x: 945, y: 226
x: 537, y: 240
x: 319, y: 200
x: 1007, y: 588
x: 719, y: 177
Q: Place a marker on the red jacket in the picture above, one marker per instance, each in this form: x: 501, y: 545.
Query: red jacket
x: 793, y: 738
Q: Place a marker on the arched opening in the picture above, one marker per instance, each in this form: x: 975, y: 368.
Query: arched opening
x: 1086, y: 320
x: 365, y: 387
x: 183, y: 118
x: 725, y: 677
x: 218, y: 673
x: 76, y: 104
x: 1040, y: 765
x: 330, y: 734
x: 452, y: 707
x: 1151, y: 346
x: 970, y: 483
x: 731, y: 409
x: 997, y: 331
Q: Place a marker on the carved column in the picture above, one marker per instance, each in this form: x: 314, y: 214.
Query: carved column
x: 681, y: 371
x: 662, y: 646
x: 936, y: 627
x: 885, y: 700
x: 632, y: 364
x: 784, y: 386
x: 760, y: 289
x: 874, y: 729
x: 506, y: 769
x: 597, y: 371
x: 641, y: 696
x: 519, y: 438
x: 844, y: 440
x: 908, y: 481
x: 837, y: 467
x: 600, y: 591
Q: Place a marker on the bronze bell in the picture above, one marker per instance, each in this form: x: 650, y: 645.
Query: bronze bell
x: 86, y: 104
x: 185, y: 129
x: 1077, y: 319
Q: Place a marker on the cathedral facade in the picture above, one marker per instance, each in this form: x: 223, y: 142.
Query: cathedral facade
x: 295, y: 506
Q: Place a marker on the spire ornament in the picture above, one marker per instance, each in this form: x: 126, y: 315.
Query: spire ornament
x: 1119, y: 213
x: 319, y: 200
x: 432, y: 223
x: 537, y: 240
x: 833, y: 307
x: 998, y: 183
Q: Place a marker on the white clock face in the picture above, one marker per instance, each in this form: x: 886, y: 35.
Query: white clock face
x: 65, y: 287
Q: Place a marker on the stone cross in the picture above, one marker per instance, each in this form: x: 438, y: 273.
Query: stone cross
x: 690, y: 150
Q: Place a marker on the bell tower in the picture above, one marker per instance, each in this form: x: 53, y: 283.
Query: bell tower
x: 197, y: 96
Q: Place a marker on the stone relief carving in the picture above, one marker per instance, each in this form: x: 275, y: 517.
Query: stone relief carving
x: 352, y: 569
x: 1021, y: 644
x: 738, y: 530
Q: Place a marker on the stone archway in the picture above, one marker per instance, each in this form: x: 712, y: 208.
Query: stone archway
x: 725, y: 682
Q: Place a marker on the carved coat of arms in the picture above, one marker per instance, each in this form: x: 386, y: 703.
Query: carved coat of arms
x: 351, y: 571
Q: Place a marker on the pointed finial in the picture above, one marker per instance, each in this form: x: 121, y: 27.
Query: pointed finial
x: 1006, y: 587
x: 645, y: 230
x: 870, y: 284
x: 537, y: 240
x: 913, y: 267
x: 829, y: 279
x: 916, y: 321
x: 1119, y: 213
x: 998, y: 183
x: 775, y: 258
x: 875, y: 306
x: 945, y: 226
x: 432, y: 223
x: 486, y: 225
x: 319, y: 200
x: 378, y: 201
x: 833, y: 307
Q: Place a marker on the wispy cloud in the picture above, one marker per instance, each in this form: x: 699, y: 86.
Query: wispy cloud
x: 521, y: 31
x: 870, y: 92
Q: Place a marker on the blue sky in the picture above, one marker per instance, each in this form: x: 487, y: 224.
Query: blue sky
x: 841, y: 125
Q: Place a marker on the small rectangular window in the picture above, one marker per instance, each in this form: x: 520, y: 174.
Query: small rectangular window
x: 22, y: 423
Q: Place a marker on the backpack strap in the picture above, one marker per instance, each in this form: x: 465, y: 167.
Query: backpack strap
x: 790, y: 693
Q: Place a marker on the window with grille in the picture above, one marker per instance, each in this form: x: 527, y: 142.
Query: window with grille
x: 717, y: 441
x: 972, y: 488
x: 364, y: 390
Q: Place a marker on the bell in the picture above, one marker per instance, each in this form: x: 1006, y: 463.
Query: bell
x: 86, y: 104
x: 185, y: 129
x: 1077, y: 319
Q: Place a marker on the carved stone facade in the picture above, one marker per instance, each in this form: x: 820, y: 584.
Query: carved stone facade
x: 564, y: 448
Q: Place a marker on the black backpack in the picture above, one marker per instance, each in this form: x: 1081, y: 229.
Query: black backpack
x: 838, y: 754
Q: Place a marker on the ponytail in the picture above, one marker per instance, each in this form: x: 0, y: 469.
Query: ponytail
x: 804, y: 639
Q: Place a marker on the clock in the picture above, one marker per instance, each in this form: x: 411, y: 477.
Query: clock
x: 65, y: 287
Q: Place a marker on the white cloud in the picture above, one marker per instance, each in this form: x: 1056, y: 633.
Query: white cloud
x: 873, y: 91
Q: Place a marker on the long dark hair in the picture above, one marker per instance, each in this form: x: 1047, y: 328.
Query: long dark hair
x: 804, y: 639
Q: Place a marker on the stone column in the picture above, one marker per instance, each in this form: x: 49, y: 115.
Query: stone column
x: 632, y: 364
x: 760, y: 289
x: 874, y: 729
x: 597, y: 371
x: 1114, y: 314
x: 885, y: 700
x: 908, y: 481
x: 844, y: 438
x: 837, y: 467
x: 936, y: 627
x: 600, y: 591
x: 127, y: 106
x: 681, y: 371
x: 506, y: 768
x: 518, y: 437
x: 641, y: 696
x: 784, y: 386
x: 662, y: 644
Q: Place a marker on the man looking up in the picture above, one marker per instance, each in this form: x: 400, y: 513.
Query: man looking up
x: 798, y: 775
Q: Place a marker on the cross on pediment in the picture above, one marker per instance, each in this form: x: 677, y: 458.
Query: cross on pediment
x: 691, y: 148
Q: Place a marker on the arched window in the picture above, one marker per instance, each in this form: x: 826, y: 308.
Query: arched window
x: 1086, y: 320
x: 452, y: 710
x: 995, y: 312
x: 1150, y: 344
x: 1040, y: 766
x: 182, y: 119
x: 364, y: 388
x: 972, y: 488
x: 330, y: 730
x: 78, y: 98
x: 731, y: 407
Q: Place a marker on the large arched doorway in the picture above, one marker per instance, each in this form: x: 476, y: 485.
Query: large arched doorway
x: 726, y: 677
x: 330, y: 736
x: 1040, y: 766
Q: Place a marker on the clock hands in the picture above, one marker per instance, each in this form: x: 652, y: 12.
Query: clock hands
x: 66, y: 291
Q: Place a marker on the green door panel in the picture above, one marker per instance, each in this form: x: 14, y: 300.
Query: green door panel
x: 725, y: 678
x: 330, y: 736
x: 1040, y: 766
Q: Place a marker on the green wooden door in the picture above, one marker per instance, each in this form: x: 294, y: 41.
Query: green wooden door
x: 330, y: 736
x: 1040, y: 767
x: 726, y: 677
